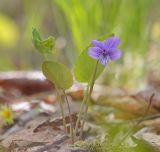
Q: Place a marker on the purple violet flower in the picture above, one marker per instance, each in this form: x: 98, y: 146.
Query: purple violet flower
x: 105, y: 50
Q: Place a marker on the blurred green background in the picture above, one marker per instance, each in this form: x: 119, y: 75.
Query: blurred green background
x: 74, y: 23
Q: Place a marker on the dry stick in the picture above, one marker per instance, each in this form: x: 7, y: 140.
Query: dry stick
x: 62, y: 109
x: 70, y: 115
x: 54, y: 145
x: 88, y: 98
x: 151, y: 117
x: 148, y: 108
x: 142, y: 118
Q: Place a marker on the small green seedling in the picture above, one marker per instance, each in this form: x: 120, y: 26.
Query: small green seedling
x: 43, y: 46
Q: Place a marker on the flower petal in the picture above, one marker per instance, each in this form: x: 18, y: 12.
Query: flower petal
x: 114, y: 54
x: 98, y: 44
x: 112, y: 42
x: 94, y: 52
x: 103, y: 60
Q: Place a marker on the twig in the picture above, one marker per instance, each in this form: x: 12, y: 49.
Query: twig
x: 53, y: 145
x: 140, y: 120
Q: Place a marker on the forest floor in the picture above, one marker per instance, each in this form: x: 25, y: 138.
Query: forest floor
x: 37, y: 125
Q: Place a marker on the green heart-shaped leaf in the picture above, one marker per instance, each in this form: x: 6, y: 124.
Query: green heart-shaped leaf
x: 57, y: 73
x: 85, y: 65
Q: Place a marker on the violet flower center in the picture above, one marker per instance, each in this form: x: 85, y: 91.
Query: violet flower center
x: 104, y: 53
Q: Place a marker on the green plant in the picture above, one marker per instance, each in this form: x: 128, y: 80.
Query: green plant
x: 86, y: 70
x: 57, y: 73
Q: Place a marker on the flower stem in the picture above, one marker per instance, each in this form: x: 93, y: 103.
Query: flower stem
x: 70, y: 116
x: 88, y: 97
x: 61, y: 108
x: 81, y: 110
